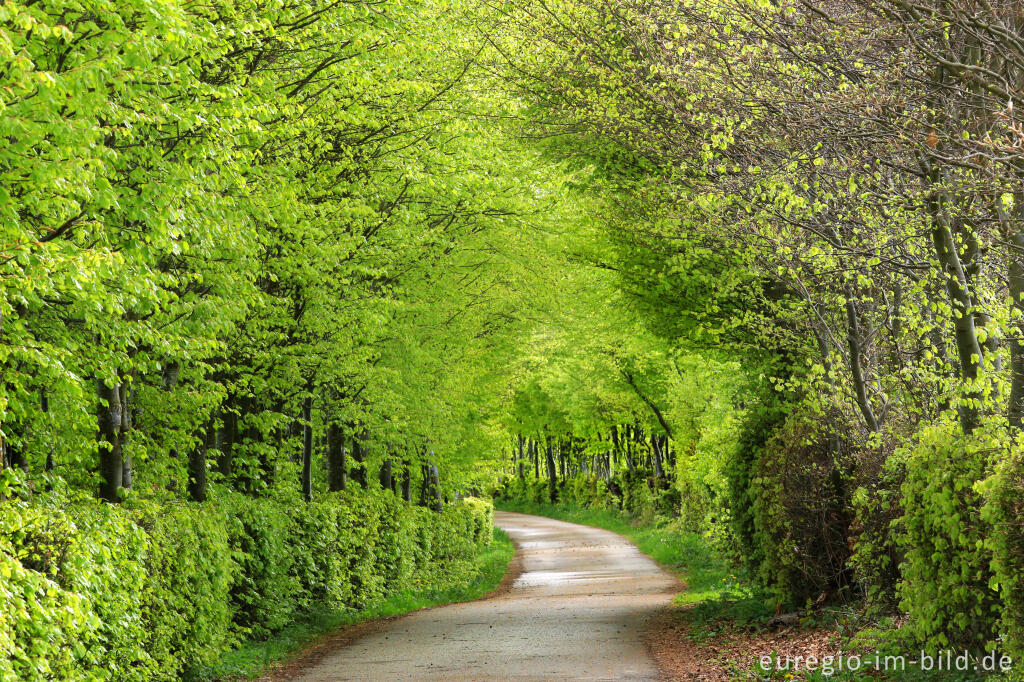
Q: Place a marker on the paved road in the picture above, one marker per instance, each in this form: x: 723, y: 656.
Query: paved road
x: 576, y: 612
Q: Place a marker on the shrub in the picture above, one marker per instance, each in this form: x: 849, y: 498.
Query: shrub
x: 947, y: 584
x: 1003, y: 511
x: 190, y: 571
x: 800, y: 508
x: 265, y: 594
x: 360, y: 541
x: 756, y: 429
x: 142, y: 590
x: 106, y: 564
x: 876, y: 501
x: 482, y: 514
x: 44, y: 629
x: 323, y: 569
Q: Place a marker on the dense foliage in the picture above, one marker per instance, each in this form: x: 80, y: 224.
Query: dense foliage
x: 813, y: 210
x: 145, y: 591
x: 754, y: 265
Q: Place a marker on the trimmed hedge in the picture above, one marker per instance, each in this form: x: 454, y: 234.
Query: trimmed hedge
x: 148, y: 591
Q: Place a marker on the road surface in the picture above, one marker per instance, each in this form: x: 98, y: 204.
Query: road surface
x: 577, y: 611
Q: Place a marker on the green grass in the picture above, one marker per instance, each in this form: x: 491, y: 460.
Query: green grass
x: 717, y: 590
x: 253, y: 658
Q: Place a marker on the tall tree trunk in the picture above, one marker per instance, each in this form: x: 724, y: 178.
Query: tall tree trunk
x: 856, y: 369
x: 406, y: 480
x: 552, y: 474
x: 16, y: 457
x: 359, y: 452
x: 521, y: 465
x: 616, y: 444
x: 197, y: 467
x: 650, y: 403
x: 228, y: 437
x: 109, y: 437
x: 44, y: 406
x: 307, y: 448
x: 968, y: 349
x: 385, y: 476
x: 630, y: 448
x: 126, y: 427
x: 435, y: 484
x: 938, y: 202
x: 336, y: 472
x: 1013, y: 231
x: 536, y: 460
x: 656, y: 450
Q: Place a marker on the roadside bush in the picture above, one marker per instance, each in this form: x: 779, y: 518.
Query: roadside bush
x: 800, y: 504
x: 92, y: 558
x: 538, y: 491
x: 1003, y: 511
x: 394, y: 542
x: 755, y: 430
x: 265, y: 594
x: 106, y: 564
x: 322, y: 570
x: 876, y: 556
x: 148, y: 591
x: 43, y: 629
x: 947, y: 586
x: 481, y: 512
x: 190, y: 571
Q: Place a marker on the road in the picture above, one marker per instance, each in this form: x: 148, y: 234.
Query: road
x: 577, y: 611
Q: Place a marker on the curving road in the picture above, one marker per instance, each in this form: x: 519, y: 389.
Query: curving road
x: 576, y: 611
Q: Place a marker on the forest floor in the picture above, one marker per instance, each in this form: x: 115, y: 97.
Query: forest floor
x: 578, y: 610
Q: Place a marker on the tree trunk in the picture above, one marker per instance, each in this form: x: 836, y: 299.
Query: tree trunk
x: 336, y: 472
x: 435, y: 481
x: 630, y: 448
x: 659, y: 471
x: 650, y: 403
x: 1014, y: 235
x: 614, y: 452
x: 197, y: 468
x: 552, y: 475
x: 406, y: 481
x: 856, y: 368
x: 359, y: 451
x: 126, y: 427
x: 424, y: 484
x: 229, y: 435
x: 307, y: 448
x: 521, y: 465
x: 385, y: 476
x: 17, y: 458
x: 44, y: 406
x: 109, y: 437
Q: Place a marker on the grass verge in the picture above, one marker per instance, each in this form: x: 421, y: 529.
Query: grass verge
x: 253, y: 658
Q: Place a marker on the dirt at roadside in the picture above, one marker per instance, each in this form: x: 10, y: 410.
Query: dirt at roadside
x: 727, y: 655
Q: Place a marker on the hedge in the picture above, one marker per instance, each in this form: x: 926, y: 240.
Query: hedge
x: 151, y: 591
